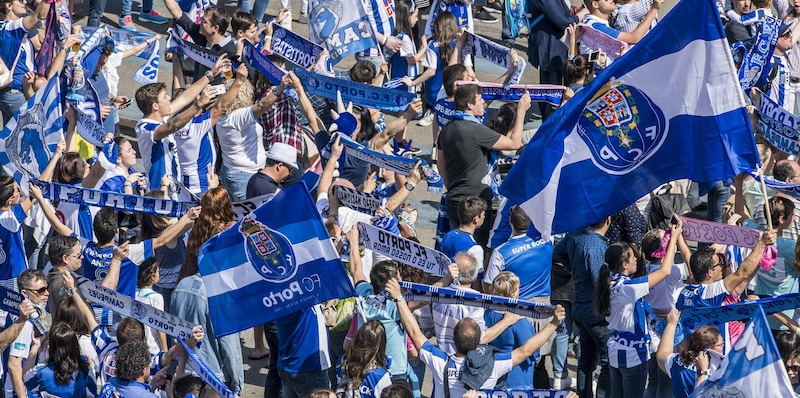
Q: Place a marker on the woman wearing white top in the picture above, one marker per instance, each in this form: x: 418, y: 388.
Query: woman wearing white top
x: 621, y: 300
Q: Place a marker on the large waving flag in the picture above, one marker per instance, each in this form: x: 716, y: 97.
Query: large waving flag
x: 29, y: 139
x: 671, y: 108
x: 277, y: 260
x: 752, y: 369
x: 340, y: 26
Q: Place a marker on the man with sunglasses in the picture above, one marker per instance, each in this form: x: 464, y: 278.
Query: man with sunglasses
x: 33, y: 285
x: 710, y: 288
x: 778, y: 68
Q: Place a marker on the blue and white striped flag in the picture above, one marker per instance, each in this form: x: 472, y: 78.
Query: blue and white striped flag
x: 753, y: 368
x: 342, y: 27
x: 277, y: 260
x: 29, y: 139
x: 628, y: 132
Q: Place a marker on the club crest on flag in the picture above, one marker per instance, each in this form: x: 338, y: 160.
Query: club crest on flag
x: 29, y: 153
x: 324, y: 18
x: 268, y: 250
x: 611, y: 127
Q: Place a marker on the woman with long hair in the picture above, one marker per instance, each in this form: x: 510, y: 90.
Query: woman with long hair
x: 697, y: 357
x: 622, y: 301
x: 364, y: 366
x: 66, y: 374
x: 69, y: 313
x: 170, y: 256
x: 216, y: 216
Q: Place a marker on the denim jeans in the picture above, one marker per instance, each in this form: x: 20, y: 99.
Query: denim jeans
x: 300, y: 385
x: 561, y: 343
x: 96, y: 10
x: 628, y: 382
x: 147, y: 6
x: 717, y: 197
x: 659, y: 385
x: 594, y: 351
x: 272, y: 386
x: 235, y: 181
x: 10, y: 102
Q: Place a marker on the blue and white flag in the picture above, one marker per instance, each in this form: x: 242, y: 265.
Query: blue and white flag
x: 627, y: 132
x: 278, y: 260
x: 125, y: 39
x: 340, y: 26
x: 294, y: 48
x: 778, y: 126
x: 753, y: 368
x: 787, y: 188
x: 148, y: 73
x: 360, y: 94
x: 199, y: 54
x: 29, y: 139
x: 755, y: 54
x: 90, y: 123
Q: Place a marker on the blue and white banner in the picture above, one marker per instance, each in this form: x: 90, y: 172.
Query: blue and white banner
x: 95, y: 38
x: 277, y: 260
x: 403, y: 250
x: 360, y: 94
x: 397, y: 164
x: 498, y: 393
x: 125, y: 40
x: 359, y: 201
x: 548, y: 93
x: 756, y: 59
x: 148, y: 73
x: 10, y: 301
x: 29, y: 139
x: 448, y: 295
x: 294, y: 48
x: 627, y: 133
x: 341, y: 27
x: 260, y: 61
x: 778, y: 126
x: 126, y: 306
x: 199, y: 54
x: 130, y: 203
x: 495, y: 53
x: 205, y: 373
x: 90, y: 123
x: 696, y: 317
x: 790, y: 189
x: 753, y: 368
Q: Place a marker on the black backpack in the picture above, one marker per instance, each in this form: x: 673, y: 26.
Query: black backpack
x: 663, y: 204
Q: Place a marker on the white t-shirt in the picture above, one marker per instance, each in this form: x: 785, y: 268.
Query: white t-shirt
x: 159, y: 158
x: 155, y: 300
x: 110, y: 72
x: 195, y: 152
x: 664, y: 295
x: 240, y: 138
x: 20, y: 348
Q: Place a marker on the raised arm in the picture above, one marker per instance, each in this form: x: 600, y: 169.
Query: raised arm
x: 326, y: 179
x: 179, y: 120
x: 261, y: 107
x: 644, y: 26
x: 111, y: 280
x: 406, y: 316
x: 174, y: 8
x: 750, y: 264
x: 356, y: 267
x: 305, y: 104
x: 8, y: 335
x: 397, y: 126
x: 57, y: 225
x: 665, y: 347
x: 655, y: 277
x: 83, y: 308
x: 198, y: 334
x: 227, y: 99
x: 522, y: 353
x: 47, y: 174
x: 30, y: 20
x: 197, y: 87
x: 515, y: 141
x: 141, y: 46
x: 179, y: 228
x: 414, y: 177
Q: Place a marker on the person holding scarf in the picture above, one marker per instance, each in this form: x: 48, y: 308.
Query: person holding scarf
x: 621, y: 300
x: 463, y: 147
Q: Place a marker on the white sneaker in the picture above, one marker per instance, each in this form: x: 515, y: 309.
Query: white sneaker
x: 563, y: 384
x: 427, y: 119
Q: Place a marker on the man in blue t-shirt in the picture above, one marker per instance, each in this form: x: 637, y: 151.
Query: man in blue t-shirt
x: 471, y: 216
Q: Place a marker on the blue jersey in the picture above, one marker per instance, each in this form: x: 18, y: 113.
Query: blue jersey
x: 159, y: 157
x: 374, y: 382
x: 381, y: 16
x: 445, y: 109
x: 303, y: 341
x: 529, y: 259
x: 97, y: 260
x: 433, y: 60
x: 14, y: 37
x: 684, y: 377
x: 699, y: 296
x: 195, y: 152
x: 12, y: 251
x: 400, y: 66
x: 457, y: 241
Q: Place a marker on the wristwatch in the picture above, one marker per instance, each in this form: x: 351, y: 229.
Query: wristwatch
x: 703, y: 372
x: 209, y: 75
x: 409, y: 186
x: 398, y: 298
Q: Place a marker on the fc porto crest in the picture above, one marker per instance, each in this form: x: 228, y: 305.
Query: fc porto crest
x: 26, y: 146
x: 268, y: 250
x: 324, y: 19
x: 622, y: 128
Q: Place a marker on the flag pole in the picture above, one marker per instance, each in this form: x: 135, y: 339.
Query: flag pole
x: 767, y: 211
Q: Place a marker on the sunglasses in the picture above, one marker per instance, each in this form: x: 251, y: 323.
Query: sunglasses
x: 39, y: 291
x: 793, y: 368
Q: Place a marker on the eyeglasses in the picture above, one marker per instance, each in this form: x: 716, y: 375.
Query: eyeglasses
x: 39, y: 291
x: 719, y: 345
x: 788, y: 34
x: 793, y: 368
x: 78, y: 256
